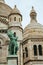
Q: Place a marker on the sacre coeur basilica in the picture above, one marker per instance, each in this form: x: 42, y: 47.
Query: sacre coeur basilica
x: 30, y: 39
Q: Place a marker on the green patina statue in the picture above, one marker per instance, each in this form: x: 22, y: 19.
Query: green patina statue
x: 13, y: 46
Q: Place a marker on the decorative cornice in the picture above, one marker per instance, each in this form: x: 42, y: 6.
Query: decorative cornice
x: 32, y: 61
x: 3, y: 16
x: 3, y: 21
x: 32, y: 40
x: 16, y: 14
x: 17, y: 27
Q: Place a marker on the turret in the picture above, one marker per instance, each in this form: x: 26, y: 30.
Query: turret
x: 15, y: 16
x: 15, y: 19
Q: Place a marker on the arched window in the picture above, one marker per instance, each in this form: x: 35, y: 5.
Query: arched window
x: 19, y: 19
x: 14, y: 34
x: 40, y: 49
x: 5, y: 31
x: 23, y: 54
x: 14, y: 18
x: 26, y: 50
x: 35, y: 50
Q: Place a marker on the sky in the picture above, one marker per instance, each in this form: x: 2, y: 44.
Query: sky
x: 25, y: 7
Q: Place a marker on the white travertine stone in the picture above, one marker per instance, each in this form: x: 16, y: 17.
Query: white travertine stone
x: 2, y: 1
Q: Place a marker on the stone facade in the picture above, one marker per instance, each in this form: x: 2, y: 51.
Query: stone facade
x: 33, y: 41
x: 8, y: 22
x: 32, y: 35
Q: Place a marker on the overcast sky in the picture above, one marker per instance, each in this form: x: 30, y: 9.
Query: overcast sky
x: 25, y: 6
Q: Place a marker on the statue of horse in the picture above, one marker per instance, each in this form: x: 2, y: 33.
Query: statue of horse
x: 13, y: 46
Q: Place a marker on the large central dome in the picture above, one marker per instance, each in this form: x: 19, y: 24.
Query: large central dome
x: 4, y: 9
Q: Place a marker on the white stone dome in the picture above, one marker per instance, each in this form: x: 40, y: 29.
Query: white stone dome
x: 4, y: 9
x: 15, y: 11
x: 34, y: 28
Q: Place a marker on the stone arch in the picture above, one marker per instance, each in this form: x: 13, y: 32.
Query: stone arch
x: 26, y: 50
x: 35, y: 50
x: 2, y: 39
x: 40, y: 49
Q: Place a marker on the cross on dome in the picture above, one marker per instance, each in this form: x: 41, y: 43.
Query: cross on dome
x: 15, y: 6
x: 32, y: 8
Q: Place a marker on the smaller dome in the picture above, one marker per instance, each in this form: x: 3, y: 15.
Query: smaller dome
x: 33, y: 10
x: 33, y: 13
x: 15, y: 10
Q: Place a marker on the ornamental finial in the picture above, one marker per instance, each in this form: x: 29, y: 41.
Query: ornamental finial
x: 15, y: 6
x: 32, y: 7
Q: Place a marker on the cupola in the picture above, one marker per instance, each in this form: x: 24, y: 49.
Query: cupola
x: 33, y: 15
x: 15, y: 15
x: 33, y: 29
x: 15, y: 10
